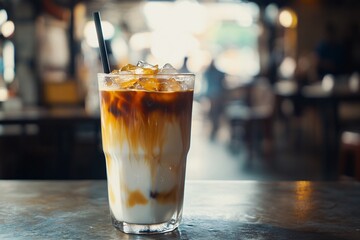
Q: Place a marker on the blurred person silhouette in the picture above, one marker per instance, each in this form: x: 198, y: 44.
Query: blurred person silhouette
x: 275, y: 58
x: 329, y: 53
x: 214, y: 92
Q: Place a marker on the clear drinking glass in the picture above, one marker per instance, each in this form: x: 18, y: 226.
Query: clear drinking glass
x: 146, y: 124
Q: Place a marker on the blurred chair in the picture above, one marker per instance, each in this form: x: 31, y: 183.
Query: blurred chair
x: 350, y: 150
x: 250, y: 116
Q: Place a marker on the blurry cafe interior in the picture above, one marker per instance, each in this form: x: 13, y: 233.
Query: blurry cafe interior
x: 277, y: 93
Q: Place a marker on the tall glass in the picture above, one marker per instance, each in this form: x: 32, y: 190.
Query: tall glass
x: 145, y: 124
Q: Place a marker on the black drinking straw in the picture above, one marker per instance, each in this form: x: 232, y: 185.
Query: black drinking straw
x: 102, y: 46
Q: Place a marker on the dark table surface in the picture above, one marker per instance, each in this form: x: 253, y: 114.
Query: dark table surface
x: 212, y: 210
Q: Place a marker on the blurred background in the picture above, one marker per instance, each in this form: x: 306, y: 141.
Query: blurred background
x: 277, y: 92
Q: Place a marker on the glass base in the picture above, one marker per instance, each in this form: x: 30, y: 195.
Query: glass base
x: 132, y: 228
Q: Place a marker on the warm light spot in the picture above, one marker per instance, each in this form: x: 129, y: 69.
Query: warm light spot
x: 288, y: 18
x: 136, y: 197
x: 303, y: 204
x: 7, y: 29
x: 303, y: 190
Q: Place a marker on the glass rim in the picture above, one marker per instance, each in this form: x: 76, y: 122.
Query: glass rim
x: 144, y: 75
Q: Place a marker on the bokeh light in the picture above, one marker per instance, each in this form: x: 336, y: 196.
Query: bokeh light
x: 90, y: 32
x: 288, y: 18
x: 3, y: 16
x: 7, y: 29
x: 9, y: 61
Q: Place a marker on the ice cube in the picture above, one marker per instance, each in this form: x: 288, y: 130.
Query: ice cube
x: 139, y: 70
x: 144, y: 64
x: 170, y: 85
x: 128, y: 84
x: 150, y: 84
x: 128, y: 68
x: 108, y: 82
x: 167, y: 69
x: 146, y: 68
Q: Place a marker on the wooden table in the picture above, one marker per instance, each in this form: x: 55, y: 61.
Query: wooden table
x: 213, y: 210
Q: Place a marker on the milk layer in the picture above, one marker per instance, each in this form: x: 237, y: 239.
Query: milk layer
x: 128, y: 173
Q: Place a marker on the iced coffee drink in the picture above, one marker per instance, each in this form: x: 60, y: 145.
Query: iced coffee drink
x: 145, y: 123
